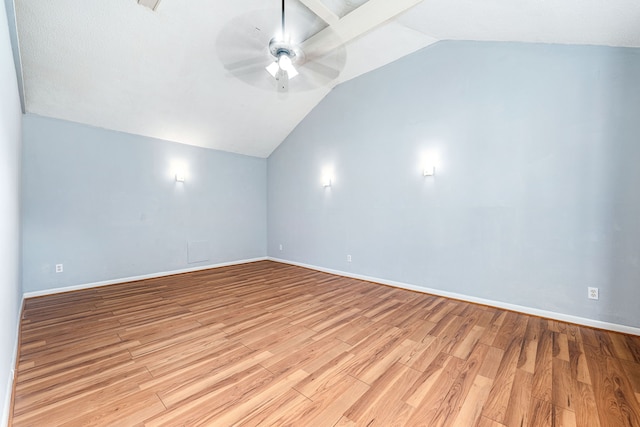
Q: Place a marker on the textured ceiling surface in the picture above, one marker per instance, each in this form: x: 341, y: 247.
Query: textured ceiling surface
x: 193, y: 71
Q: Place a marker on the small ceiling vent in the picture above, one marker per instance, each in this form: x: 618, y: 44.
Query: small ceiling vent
x: 151, y: 4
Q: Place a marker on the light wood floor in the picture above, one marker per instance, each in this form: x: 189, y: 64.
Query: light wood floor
x: 271, y: 344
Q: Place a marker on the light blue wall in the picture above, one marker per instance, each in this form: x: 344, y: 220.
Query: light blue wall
x: 10, y: 146
x: 537, y: 191
x: 106, y: 205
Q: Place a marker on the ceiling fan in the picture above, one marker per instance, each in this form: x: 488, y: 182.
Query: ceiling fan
x: 286, y: 54
x: 305, y: 48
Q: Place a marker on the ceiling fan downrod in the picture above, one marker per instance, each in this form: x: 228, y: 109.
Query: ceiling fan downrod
x: 283, y: 33
x: 284, y: 53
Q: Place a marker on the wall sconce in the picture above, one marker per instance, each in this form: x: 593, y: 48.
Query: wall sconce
x: 327, y: 176
x: 429, y: 161
x: 177, y: 169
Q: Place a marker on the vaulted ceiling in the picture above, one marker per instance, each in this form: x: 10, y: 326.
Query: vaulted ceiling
x: 193, y: 71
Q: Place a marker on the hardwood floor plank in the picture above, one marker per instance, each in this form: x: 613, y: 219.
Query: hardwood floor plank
x: 517, y: 413
x: 173, y: 343
x: 439, y: 367
x: 430, y: 396
x: 621, y: 347
x: 514, y: 325
x: 331, y: 404
x: 383, y: 362
x: 491, y: 332
x: 422, y: 331
x: 598, y: 340
x: 486, y: 422
x: 585, y: 404
x: 325, y: 377
x: 562, y: 393
x: 496, y: 405
x: 632, y: 370
x: 274, y: 344
x: 241, y: 406
x: 423, y: 354
x: 275, y: 411
x: 196, y: 360
x: 128, y: 411
x: 541, y: 413
x: 221, y: 379
x: 463, y: 349
x: 326, y: 409
x: 382, y: 403
x: 578, y: 363
x: 450, y: 407
x: 471, y: 409
x: 345, y: 422
x: 542, y: 376
x: 527, y: 360
x: 309, y: 357
x: 491, y: 363
x: 560, y: 346
x: 614, y: 394
x: 563, y: 418
x: 633, y: 343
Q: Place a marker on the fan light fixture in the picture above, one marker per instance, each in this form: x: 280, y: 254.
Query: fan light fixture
x: 286, y: 64
x: 283, y: 62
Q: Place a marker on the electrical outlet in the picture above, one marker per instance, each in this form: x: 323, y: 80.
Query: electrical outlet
x: 593, y: 293
x: 280, y: 246
x: 59, y: 268
x: 348, y: 258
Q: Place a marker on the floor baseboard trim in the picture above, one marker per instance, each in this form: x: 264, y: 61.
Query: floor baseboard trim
x: 137, y: 278
x: 7, y: 404
x: 583, y: 321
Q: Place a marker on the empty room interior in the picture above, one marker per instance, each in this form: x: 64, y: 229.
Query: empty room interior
x: 320, y: 213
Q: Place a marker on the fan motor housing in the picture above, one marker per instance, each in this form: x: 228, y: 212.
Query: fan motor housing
x: 278, y: 47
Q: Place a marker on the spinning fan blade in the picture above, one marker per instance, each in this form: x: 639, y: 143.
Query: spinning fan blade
x: 361, y: 20
x: 242, y: 46
x: 324, y: 70
x: 252, y: 63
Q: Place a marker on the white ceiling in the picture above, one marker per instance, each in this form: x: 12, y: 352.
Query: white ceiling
x: 118, y: 65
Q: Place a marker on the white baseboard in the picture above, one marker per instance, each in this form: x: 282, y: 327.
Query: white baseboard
x: 498, y: 304
x: 7, y: 404
x: 6, y: 407
x: 136, y: 278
